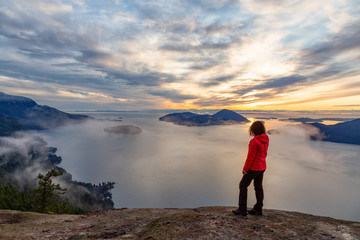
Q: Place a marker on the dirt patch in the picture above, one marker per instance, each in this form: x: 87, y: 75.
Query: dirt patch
x: 11, y: 218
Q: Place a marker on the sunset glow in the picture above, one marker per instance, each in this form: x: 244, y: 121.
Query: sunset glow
x: 137, y: 55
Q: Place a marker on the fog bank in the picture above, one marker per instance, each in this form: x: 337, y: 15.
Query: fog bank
x: 175, y: 166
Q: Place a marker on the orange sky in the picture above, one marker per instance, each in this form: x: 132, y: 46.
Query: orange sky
x: 135, y: 55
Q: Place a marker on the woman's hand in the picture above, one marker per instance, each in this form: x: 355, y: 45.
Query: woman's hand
x: 244, y: 172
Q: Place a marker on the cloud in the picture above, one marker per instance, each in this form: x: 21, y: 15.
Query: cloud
x: 109, y: 46
x: 46, y: 73
x: 275, y: 85
x: 202, y: 46
x: 348, y: 105
x: 65, y: 43
x: 51, y: 8
x: 31, y: 29
x: 215, y: 5
x: 145, y: 77
x: 342, y: 42
x: 218, y: 80
x: 93, y: 55
x: 28, y: 152
x: 174, y: 166
x: 219, y: 102
x: 173, y: 95
x: 281, y: 82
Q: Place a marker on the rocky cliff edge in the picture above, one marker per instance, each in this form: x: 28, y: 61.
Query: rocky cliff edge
x: 198, y: 223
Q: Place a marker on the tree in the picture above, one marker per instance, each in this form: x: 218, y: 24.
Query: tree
x: 48, y: 193
x: 12, y: 198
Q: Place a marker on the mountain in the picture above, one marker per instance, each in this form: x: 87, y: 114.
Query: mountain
x: 9, y: 125
x: 174, y: 223
x: 228, y: 115
x: 223, y: 117
x: 345, y: 132
x: 33, y: 116
x: 23, y: 156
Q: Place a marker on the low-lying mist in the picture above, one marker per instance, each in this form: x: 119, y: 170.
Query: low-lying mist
x: 24, y: 156
x: 176, y: 166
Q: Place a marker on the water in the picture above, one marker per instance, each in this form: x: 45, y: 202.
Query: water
x: 177, y: 166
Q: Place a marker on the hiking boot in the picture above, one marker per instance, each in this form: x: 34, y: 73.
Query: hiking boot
x: 239, y: 212
x: 255, y: 212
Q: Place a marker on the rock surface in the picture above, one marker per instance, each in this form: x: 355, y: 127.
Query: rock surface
x: 198, y: 223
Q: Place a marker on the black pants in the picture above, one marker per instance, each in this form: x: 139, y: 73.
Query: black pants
x: 257, y: 176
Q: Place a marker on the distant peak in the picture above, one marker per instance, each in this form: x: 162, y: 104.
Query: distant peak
x: 8, y: 97
x: 226, y: 114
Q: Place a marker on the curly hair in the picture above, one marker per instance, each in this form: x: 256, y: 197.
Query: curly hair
x: 257, y: 128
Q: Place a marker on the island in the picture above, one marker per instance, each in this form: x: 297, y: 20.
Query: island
x: 273, y: 132
x: 302, y: 120
x: 223, y: 117
x: 124, y: 129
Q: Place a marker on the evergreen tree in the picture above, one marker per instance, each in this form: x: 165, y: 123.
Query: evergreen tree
x: 12, y: 198
x: 48, y: 193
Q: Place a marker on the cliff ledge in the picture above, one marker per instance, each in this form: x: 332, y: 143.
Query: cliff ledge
x: 197, y: 223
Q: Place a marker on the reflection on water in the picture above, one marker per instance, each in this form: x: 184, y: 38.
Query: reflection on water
x: 177, y: 166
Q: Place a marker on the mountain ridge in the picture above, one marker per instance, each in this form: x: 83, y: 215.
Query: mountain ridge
x: 33, y: 116
x: 344, y: 132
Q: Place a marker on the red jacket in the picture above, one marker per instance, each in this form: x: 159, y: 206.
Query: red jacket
x: 256, y: 158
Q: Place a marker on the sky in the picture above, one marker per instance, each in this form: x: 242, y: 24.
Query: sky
x: 167, y: 54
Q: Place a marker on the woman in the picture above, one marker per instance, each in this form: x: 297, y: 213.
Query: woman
x: 254, y: 168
